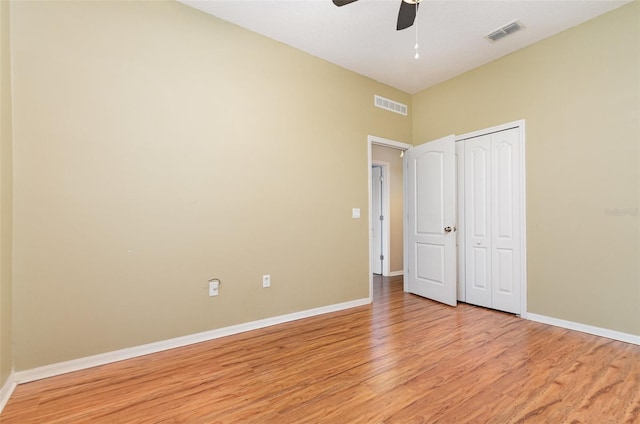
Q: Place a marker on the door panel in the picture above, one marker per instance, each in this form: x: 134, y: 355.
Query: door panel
x: 480, y: 271
x: 430, y: 263
x: 430, y: 208
x: 505, y: 239
x: 503, y: 277
x: 429, y: 193
x: 478, y: 213
x: 503, y: 182
x: 479, y: 167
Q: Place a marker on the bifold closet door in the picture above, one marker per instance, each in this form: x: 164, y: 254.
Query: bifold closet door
x: 492, y: 220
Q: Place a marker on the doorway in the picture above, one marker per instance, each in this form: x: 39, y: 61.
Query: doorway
x: 386, y: 156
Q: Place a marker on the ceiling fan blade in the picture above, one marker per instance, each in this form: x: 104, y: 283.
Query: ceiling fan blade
x: 407, y: 15
x: 342, y: 2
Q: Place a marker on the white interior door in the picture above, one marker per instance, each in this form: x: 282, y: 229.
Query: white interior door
x: 376, y: 225
x: 431, y: 212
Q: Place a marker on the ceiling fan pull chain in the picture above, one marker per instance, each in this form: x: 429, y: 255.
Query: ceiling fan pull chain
x: 416, y: 23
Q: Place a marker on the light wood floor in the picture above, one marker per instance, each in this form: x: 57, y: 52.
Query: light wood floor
x: 402, y: 360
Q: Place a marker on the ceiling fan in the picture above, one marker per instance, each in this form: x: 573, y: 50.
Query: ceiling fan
x: 406, y: 15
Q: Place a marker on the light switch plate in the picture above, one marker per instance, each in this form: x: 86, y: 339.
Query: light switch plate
x: 214, y: 285
x: 355, y: 213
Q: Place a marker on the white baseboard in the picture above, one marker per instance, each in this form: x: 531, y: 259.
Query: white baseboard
x: 596, y: 331
x: 120, y: 355
x: 6, y: 390
x: 395, y: 273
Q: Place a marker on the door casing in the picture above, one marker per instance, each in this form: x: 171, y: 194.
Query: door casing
x: 371, y: 140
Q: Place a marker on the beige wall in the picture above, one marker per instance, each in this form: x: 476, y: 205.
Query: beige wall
x: 157, y: 147
x: 392, y: 157
x: 579, y: 93
x: 6, y: 197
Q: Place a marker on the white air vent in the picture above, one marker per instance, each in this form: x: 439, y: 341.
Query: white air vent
x: 387, y: 104
x: 507, y: 29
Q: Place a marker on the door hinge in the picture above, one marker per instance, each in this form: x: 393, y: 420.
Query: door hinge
x: 382, y: 257
x: 381, y: 218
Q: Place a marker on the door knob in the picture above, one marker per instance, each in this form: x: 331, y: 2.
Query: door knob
x: 449, y: 229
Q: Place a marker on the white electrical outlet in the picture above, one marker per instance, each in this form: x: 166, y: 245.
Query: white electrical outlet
x: 266, y: 280
x: 214, y: 285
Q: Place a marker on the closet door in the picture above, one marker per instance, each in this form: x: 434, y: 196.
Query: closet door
x: 477, y: 204
x: 492, y: 174
x: 505, y: 221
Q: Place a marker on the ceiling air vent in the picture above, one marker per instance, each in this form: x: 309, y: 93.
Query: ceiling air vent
x: 387, y: 104
x: 509, y: 28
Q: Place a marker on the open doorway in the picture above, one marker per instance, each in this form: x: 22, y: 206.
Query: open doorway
x: 386, y: 193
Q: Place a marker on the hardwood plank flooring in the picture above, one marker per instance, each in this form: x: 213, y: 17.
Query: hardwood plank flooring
x: 403, y: 359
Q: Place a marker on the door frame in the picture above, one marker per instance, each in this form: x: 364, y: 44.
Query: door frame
x: 523, y: 200
x: 386, y: 212
x: 380, y: 141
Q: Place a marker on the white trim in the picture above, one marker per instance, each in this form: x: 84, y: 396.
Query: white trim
x: 395, y: 273
x: 584, y: 328
x: 120, y: 355
x: 523, y: 218
x: 372, y: 139
x: 405, y: 232
x: 7, y: 390
x: 369, y: 173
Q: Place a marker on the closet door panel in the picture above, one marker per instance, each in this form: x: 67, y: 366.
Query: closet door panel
x: 505, y: 224
x: 478, y: 222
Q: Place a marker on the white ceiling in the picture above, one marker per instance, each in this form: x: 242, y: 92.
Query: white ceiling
x: 362, y: 36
